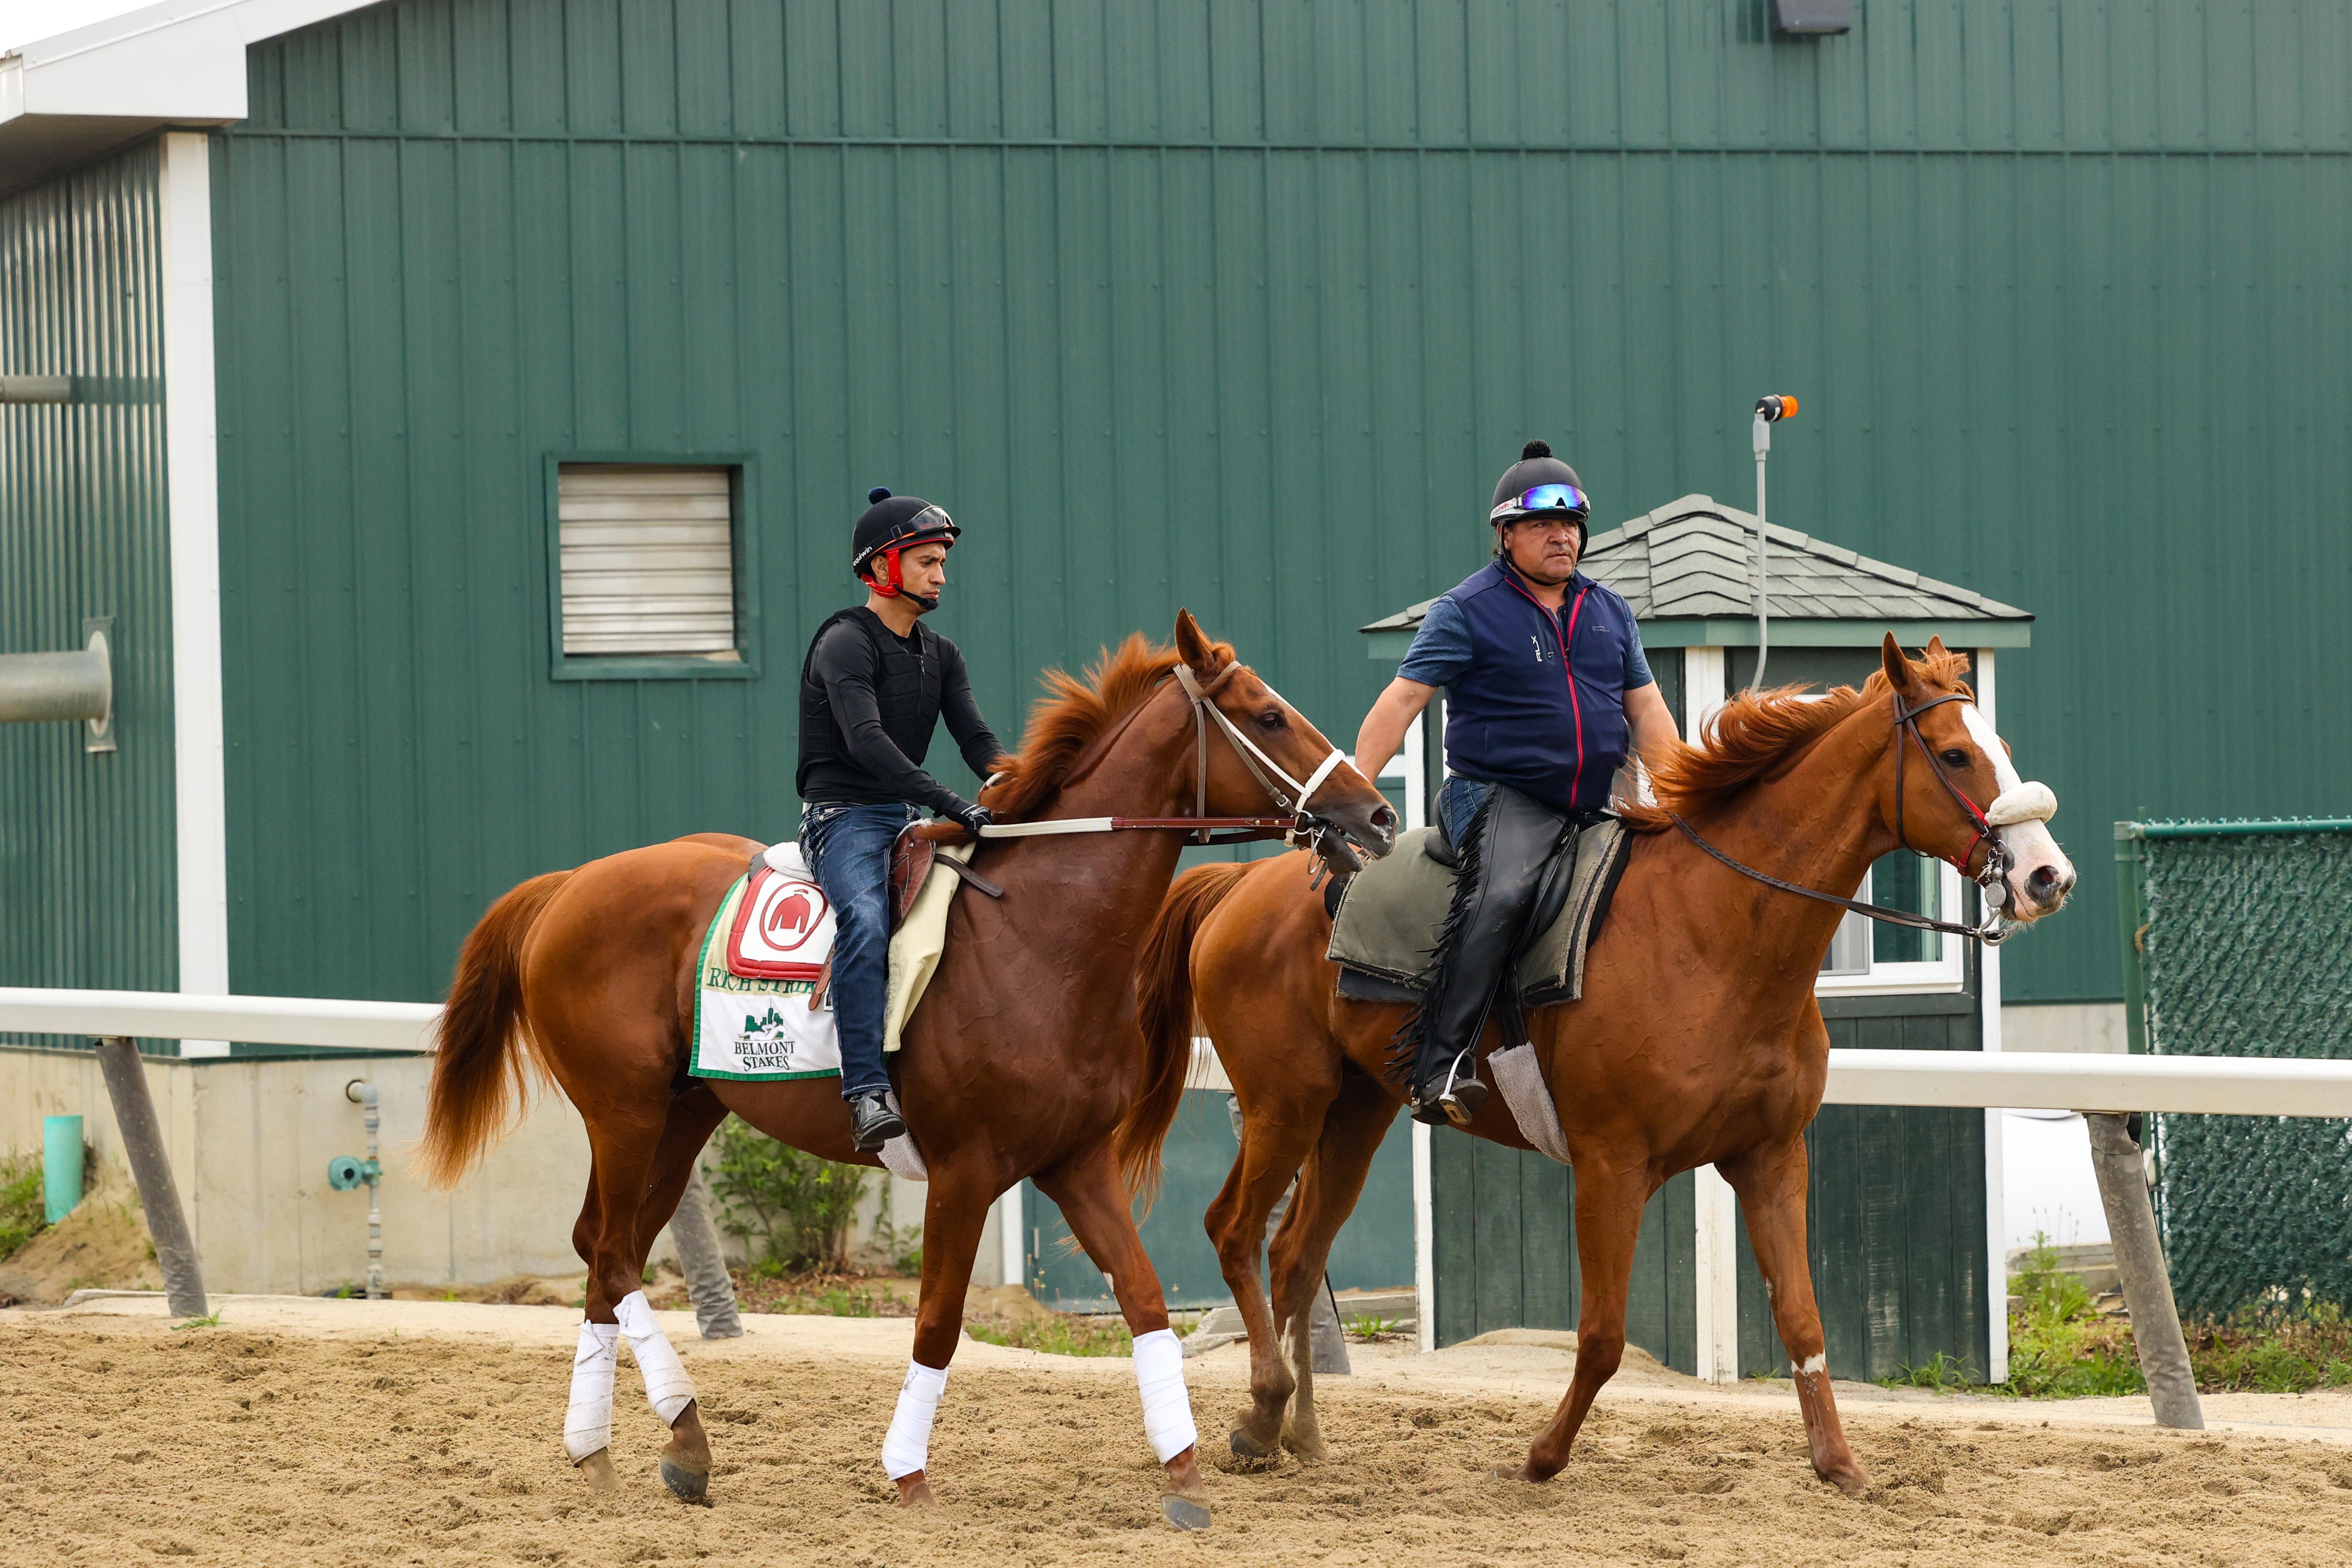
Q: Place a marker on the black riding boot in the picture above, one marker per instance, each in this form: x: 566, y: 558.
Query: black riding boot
x: 1501, y: 868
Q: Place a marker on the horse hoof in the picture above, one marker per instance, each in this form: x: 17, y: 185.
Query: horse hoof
x: 691, y: 1486
x: 596, y: 1469
x: 1307, y: 1443
x: 1853, y: 1482
x: 1249, y: 1448
x: 914, y: 1491
x: 1184, y: 1513
x: 1520, y: 1472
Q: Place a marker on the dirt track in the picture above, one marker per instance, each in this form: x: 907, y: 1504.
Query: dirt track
x: 300, y: 1433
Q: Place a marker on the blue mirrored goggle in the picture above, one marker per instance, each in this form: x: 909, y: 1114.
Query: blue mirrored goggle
x: 1545, y: 498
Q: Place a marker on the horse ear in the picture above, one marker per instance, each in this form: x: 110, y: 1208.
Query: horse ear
x: 1192, y: 645
x: 1936, y: 647
x: 1897, y: 668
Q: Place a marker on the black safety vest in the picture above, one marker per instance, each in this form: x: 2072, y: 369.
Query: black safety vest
x: 905, y: 690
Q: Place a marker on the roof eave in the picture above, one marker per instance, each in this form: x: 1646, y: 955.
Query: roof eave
x: 68, y: 98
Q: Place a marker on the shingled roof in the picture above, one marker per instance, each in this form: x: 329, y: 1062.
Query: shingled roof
x: 1688, y: 570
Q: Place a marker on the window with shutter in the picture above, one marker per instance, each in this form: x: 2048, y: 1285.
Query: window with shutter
x: 647, y: 560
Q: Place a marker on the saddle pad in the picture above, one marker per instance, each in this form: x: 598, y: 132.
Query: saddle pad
x: 783, y: 927
x: 761, y: 1025
x: 752, y: 1026
x: 1391, y: 915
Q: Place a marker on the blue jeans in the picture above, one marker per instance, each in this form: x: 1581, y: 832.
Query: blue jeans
x: 1457, y: 802
x: 848, y: 848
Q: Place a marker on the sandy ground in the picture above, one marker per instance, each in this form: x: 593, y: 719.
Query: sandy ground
x: 298, y: 1432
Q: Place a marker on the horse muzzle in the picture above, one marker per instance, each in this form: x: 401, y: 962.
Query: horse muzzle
x: 2040, y: 877
x: 1372, y: 829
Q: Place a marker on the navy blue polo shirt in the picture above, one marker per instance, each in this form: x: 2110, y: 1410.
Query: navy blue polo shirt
x: 1535, y: 698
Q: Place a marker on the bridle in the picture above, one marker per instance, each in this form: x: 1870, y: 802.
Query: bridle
x: 1300, y: 830
x: 1992, y: 880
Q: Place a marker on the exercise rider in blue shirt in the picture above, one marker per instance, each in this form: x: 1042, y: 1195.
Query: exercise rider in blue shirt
x: 1546, y: 692
x: 873, y: 688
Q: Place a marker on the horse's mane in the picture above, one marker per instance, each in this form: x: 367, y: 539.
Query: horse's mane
x: 1074, y: 712
x: 1755, y: 732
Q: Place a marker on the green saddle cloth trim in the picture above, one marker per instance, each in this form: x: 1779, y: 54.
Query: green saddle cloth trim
x: 1392, y: 911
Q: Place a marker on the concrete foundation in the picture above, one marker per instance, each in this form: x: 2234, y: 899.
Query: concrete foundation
x: 249, y: 1140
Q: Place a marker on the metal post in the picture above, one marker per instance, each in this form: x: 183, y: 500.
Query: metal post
x: 361, y: 1093
x: 2147, y: 1284
x: 698, y: 1254
x: 142, y: 1149
x: 1760, y: 437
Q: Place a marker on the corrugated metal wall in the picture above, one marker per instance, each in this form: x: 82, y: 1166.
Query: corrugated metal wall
x: 86, y: 874
x: 1242, y: 306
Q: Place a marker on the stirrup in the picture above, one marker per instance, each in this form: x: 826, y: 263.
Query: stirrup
x: 1460, y: 1099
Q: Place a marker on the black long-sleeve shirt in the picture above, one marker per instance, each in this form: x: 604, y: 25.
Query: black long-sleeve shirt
x: 868, y: 767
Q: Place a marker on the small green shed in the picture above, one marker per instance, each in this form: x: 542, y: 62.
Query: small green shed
x: 1905, y: 1215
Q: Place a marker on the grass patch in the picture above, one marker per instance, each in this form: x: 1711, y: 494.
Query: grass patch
x: 1373, y: 1329
x: 2061, y: 1347
x: 2311, y: 1348
x: 1060, y: 1334
x: 1938, y: 1371
x: 765, y: 1288
x: 24, y: 1213
x: 209, y: 1321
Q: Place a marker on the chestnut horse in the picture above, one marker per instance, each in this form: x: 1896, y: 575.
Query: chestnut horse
x: 1023, y: 1060
x: 1697, y: 1040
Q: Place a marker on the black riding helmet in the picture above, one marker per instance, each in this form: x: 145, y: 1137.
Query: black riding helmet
x: 889, y: 525
x: 1540, y: 485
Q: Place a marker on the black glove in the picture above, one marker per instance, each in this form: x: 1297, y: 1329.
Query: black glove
x: 973, y: 818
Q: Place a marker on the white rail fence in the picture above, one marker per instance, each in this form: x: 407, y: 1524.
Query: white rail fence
x: 2230, y: 1086
x: 2233, y: 1085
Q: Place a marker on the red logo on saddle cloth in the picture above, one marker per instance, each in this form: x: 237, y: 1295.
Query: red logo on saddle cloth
x: 782, y: 930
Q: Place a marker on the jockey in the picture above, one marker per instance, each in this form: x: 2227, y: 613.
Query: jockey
x: 1546, y: 690
x: 874, y: 687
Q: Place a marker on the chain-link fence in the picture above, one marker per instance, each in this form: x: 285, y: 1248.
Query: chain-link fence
x: 2238, y: 942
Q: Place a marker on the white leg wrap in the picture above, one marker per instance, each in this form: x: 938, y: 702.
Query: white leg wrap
x: 906, y: 1447
x: 1167, y: 1407
x: 588, y: 1422
x: 667, y: 1388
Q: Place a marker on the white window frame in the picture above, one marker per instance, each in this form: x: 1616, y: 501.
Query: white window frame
x: 1946, y: 972
x: 1704, y: 676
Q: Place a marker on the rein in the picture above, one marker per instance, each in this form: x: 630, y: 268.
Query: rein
x: 1209, y: 829
x: 1992, y: 933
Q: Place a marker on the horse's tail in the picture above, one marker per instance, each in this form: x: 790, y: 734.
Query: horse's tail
x: 1163, y: 991
x: 478, y: 1074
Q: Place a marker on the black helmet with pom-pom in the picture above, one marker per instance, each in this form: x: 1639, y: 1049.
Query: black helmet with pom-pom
x: 1540, y: 485
x: 889, y: 524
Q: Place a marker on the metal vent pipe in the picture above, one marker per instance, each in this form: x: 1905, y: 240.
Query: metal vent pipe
x: 42, y: 688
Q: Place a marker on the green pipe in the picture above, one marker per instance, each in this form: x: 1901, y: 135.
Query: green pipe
x: 2231, y: 829
x: 61, y: 1166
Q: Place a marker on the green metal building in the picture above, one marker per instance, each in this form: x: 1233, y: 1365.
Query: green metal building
x: 1229, y: 305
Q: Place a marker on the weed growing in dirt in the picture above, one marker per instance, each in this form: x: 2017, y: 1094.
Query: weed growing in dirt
x: 797, y: 1203
x: 2311, y: 1348
x: 1372, y: 1328
x: 1060, y: 1334
x: 209, y: 1321
x: 2059, y: 1345
x: 1938, y: 1371
x: 23, y: 1215
x: 2062, y: 1348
